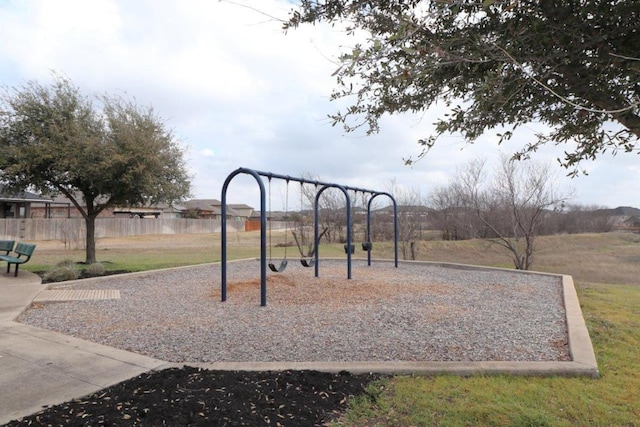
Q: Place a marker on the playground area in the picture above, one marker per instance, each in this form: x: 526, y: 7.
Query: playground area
x: 417, y: 312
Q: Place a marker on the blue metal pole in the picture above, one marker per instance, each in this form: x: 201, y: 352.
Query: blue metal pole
x: 395, y: 229
x: 349, y: 220
x: 395, y: 223
x: 315, y: 234
x: 369, y: 229
x: 223, y: 239
x: 263, y: 234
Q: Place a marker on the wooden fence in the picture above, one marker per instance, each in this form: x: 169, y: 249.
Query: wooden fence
x: 69, y: 230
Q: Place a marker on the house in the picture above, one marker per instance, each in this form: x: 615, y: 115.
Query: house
x: 60, y: 206
x: 242, y: 210
x: 19, y: 205
x: 212, y: 209
x: 29, y: 205
x: 202, y: 209
x: 417, y: 212
x: 162, y: 210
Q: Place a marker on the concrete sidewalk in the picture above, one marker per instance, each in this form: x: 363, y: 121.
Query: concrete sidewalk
x: 40, y: 368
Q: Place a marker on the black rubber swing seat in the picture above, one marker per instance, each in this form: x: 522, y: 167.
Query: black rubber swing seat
x: 367, y: 246
x: 280, y: 269
x: 308, y: 262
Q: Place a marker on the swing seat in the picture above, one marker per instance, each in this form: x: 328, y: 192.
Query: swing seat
x: 308, y: 262
x: 280, y: 269
x: 346, y: 248
x: 367, y: 246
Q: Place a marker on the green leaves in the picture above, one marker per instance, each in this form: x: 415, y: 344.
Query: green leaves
x: 573, y: 69
x: 53, y: 139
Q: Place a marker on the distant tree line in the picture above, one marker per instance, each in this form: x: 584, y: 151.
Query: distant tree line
x: 510, y: 205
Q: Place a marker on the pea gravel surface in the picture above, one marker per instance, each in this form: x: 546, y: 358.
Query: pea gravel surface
x: 416, y: 312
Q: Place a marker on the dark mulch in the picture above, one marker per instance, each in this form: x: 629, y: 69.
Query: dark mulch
x: 196, y: 397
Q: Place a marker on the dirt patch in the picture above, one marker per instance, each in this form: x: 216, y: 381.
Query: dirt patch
x: 299, y: 289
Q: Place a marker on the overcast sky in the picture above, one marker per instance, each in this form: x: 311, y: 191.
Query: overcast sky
x: 238, y: 92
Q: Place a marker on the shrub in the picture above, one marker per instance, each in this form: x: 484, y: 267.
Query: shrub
x: 95, y: 269
x: 66, y: 263
x: 61, y: 274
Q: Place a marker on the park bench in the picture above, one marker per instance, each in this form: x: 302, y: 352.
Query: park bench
x: 6, y: 246
x: 22, y: 250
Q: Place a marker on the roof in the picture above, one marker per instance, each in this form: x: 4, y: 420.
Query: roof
x: 215, y: 206
x: 238, y: 206
x: 203, y: 205
x: 22, y: 196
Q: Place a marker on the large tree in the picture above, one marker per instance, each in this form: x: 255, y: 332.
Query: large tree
x: 53, y: 139
x: 572, y: 65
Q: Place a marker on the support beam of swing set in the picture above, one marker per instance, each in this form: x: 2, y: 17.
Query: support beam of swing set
x: 263, y: 223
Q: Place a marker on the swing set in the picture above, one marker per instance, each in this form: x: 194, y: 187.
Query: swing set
x: 312, y: 259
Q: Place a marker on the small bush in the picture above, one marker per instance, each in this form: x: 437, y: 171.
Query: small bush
x: 95, y: 269
x: 61, y: 274
x: 66, y: 263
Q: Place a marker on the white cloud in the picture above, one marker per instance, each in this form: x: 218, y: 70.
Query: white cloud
x: 239, y: 92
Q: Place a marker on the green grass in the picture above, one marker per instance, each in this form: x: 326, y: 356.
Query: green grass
x: 605, y: 268
x: 141, y: 253
x: 607, y: 275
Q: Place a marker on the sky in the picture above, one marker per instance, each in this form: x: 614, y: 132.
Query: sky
x: 239, y: 92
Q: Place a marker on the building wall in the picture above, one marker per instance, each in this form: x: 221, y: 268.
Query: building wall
x: 62, y: 211
x: 14, y: 210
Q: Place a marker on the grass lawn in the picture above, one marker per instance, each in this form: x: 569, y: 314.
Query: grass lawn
x: 606, y: 271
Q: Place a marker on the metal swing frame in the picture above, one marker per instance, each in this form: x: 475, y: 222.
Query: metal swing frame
x: 263, y: 224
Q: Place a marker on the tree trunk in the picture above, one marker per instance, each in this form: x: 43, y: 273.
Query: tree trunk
x: 90, y: 221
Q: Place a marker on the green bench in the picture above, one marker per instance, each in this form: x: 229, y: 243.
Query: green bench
x: 22, y: 253
x: 6, y: 246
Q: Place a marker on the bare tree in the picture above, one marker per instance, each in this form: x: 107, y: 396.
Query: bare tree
x: 412, y: 217
x: 511, y: 206
x: 331, y: 213
x: 454, y: 211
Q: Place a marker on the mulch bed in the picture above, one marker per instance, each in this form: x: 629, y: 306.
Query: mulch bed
x: 82, y: 274
x: 197, y: 397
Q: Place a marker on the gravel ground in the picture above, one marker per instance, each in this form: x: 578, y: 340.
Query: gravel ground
x: 417, y: 312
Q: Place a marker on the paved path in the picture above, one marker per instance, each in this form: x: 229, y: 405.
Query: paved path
x: 40, y: 367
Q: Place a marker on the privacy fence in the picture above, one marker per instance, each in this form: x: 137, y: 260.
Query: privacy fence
x: 69, y: 230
